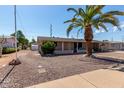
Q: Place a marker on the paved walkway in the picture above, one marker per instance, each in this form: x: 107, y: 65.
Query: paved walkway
x: 103, y: 78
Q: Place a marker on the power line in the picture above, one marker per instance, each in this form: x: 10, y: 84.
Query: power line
x: 22, y: 26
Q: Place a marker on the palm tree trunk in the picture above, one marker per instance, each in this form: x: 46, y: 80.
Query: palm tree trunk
x: 88, y: 36
x: 89, y: 48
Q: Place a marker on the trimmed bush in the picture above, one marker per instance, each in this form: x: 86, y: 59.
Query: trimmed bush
x: 8, y: 50
x: 97, y: 49
x: 48, y: 47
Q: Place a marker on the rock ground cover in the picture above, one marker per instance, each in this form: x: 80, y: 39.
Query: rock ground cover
x: 36, y: 69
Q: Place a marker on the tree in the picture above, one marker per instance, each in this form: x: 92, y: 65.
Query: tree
x: 19, y: 34
x: 92, y: 16
x: 33, y: 41
x: 22, y: 41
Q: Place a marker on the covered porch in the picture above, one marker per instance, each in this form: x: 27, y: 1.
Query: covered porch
x: 69, y: 47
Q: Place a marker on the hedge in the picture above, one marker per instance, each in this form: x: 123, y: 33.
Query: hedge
x: 8, y: 50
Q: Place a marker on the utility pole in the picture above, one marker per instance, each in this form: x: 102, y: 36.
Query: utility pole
x: 51, y: 30
x: 15, y: 61
x: 15, y: 29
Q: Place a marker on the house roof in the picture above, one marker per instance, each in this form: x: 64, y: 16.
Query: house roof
x: 42, y: 38
x: 59, y: 39
x: 112, y: 42
x: 7, y: 37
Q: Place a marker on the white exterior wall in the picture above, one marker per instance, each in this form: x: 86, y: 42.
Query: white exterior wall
x: 34, y: 47
x: 9, y: 42
x: 113, y: 46
x: 63, y: 52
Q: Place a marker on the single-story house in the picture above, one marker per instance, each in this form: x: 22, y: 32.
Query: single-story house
x: 112, y: 45
x: 8, y: 41
x: 66, y: 45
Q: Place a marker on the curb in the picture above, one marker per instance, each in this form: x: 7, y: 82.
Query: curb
x: 115, y: 60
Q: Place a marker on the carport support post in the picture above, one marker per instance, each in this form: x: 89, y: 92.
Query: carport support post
x: 77, y: 47
x: 62, y: 47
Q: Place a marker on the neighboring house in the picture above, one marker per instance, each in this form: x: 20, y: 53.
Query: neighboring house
x: 112, y: 45
x: 9, y: 41
x: 66, y: 45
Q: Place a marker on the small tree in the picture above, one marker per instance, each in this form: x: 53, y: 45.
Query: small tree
x: 22, y: 40
x: 48, y: 47
x: 32, y: 42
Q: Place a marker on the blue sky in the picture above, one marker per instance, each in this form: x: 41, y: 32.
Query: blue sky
x: 35, y: 21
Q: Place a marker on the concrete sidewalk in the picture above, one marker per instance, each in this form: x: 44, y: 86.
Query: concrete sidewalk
x: 103, y: 78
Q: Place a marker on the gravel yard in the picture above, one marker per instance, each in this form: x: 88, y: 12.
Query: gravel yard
x: 36, y: 69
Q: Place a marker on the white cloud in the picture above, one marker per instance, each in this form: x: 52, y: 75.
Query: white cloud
x: 102, y: 31
x: 115, y: 29
x: 99, y: 31
x: 121, y: 26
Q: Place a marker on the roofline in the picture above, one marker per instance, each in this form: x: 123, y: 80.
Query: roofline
x: 7, y: 37
x: 62, y: 39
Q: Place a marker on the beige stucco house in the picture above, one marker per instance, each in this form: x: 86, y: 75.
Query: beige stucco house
x: 71, y: 45
x: 66, y: 45
x: 112, y: 45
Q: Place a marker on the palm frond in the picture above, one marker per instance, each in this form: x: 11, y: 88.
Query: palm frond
x: 115, y: 13
x: 74, y: 10
x: 95, y: 10
x: 79, y: 30
x: 87, y: 8
x: 103, y: 26
x: 82, y: 12
x: 72, y: 20
x: 113, y: 20
x: 68, y: 21
x: 70, y: 27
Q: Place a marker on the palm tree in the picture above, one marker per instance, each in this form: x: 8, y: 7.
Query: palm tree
x: 92, y: 16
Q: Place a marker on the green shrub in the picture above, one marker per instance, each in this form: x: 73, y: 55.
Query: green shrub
x: 97, y: 49
x: 8, y: 50
x: 48, y: 47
